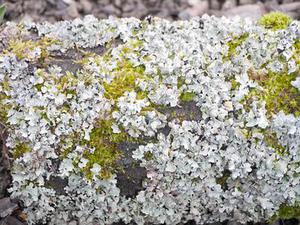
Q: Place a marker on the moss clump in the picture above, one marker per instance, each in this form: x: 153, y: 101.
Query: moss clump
x: 234, y: 84
x: 277, y: 93
x: 287, y: 212
x: 234, y: 43
x: 296, y: 54
x: 272, y: 141
x: 3, y: 106
x: 106, y: 152
x: 20, y: 150
x: 124, y: 79
x: 275, y: 21
x: 187, y: 96
x: 148, y: 156
x: 269, y: 137
x: 24, y: 49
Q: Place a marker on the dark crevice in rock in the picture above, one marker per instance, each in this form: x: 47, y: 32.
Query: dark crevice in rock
x: 58, y: 184
x: 186, y: 111
x: 130, y: 177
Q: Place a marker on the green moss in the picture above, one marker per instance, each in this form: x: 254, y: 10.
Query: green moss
x: 148, y: 156
x: 277, y: 93
x: 106, y: 153
x: 3, y: 106
x: 287, y: 212
x: 275, y: 21
x: 296, y: 54
x: 22, y: 49
x: 20, y: 150
x: 234, y: 43
x: 187, y: 96
x: 180, y: 82
x: 234, y: 84
x: 125, y: 75
x: 271, y: 140
x: 124, y: 79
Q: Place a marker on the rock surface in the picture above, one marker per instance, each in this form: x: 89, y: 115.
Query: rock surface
x: 54, y: 10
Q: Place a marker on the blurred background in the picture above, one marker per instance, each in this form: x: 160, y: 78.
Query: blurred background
x: 54, y: 10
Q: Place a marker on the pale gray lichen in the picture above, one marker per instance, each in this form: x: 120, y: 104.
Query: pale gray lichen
x: 239, y: 160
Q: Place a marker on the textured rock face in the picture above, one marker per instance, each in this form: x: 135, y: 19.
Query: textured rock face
x: 153, y: 121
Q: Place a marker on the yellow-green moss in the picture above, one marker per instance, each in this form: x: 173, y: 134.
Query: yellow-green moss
x: 106, y: 153
x: 234, y: 43
x: 296, y: 52
x: 102, y: 139
x: 3, y: 106
x: 148, y: 156
x: 180, y: 82
x: 187, y: 96
x: 275, y: 21
x: 269, y: 137
x: 277, y: 93
x: 125, y: 75
x: 271, y: 140
x: 234, y: 84
x: 287, y: 212
x: 22, y: 49
x: 20, y: 150
x: 124, y: 79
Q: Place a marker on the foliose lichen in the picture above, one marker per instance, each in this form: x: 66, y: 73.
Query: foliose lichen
x: 211, y: 112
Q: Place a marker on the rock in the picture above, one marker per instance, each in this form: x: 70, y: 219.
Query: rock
x: 7, y: 207
x: 13, y: 221
x: 295, y: 6
x: 253, y: 12
x: 246, y: 2
x: 129, y: 7
x: 73, y: 11
x: 233, y: 223
x: 111, y: 10
x: 229, y: 4
x: 214, y: 4
x: 86, y: 6
x: 198, y: 9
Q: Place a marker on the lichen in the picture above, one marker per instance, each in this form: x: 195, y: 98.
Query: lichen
x: 275, y: 21
x: 149, y: 95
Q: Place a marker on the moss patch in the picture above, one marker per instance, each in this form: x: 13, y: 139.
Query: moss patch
x: 124, y: 79
x: 287, y: 212
x: 233, y: 44
x: 187, y: 96
x: 3, y: 106
x: 106, y: 152
x: 25, y: 49
x: 271, y: 140
x: 278, y: 93
x: 275, y: 21
x: 20, y: 150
